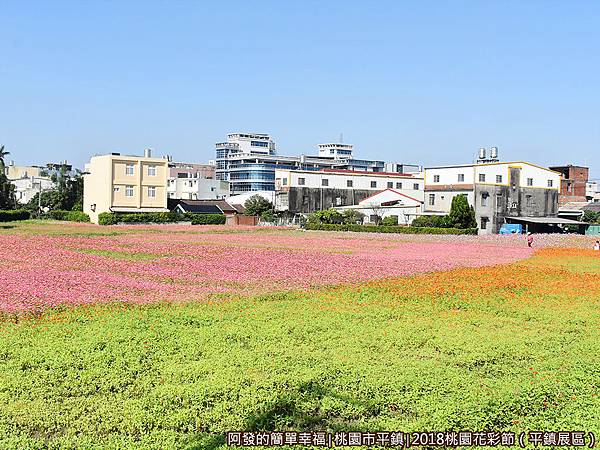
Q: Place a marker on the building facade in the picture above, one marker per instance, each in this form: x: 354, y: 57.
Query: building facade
x: 249, y: 161
x: 195, y: 182
x: 387, y: 203
x: 573, y: 184
x: 306, y: 191
x: 14, y: 172
x: 496, y: 191
x: 27, y: 188
x: 121, y: 183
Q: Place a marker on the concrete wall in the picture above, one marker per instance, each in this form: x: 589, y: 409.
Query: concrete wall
x: 308, y: 200
x: 509, y: 201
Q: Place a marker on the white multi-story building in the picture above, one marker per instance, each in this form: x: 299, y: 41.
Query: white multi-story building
x: 27, y: 188
x: 190, y: 181
x: 248, y: 161
x: 336, y: 150
x: 307, y: 191
x: 496, y: 190
x: 592, y: 191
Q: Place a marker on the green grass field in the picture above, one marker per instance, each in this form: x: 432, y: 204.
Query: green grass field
x: 515, y: 347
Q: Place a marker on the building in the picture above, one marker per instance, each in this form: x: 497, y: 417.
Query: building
x: 592, y: 191
x: 336, y: 150
x: 403, y: 168
x: 249, y: 160
x: 387, y: 203
x: 195, y: 182
x: 14, y: 172
x: 234, y: 213
x: 496, y: 190
x: 307, y: 191
x: 28, y: 181
x: 26, y: 188
x: 122, y: 183
x: 573, y: 184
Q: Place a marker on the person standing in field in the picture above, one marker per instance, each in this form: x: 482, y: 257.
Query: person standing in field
x: 597, y: 246
x: 529, y: 239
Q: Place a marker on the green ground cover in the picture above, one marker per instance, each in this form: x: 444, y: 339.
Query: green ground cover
x: 504, y: 348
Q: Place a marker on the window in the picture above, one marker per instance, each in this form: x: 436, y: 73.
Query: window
x: 436, y: 178
x: 549, y: 183
x: 498, y: 179
x: 529, y: 181
x: 284, y: 181
x: 151, y: 191
x: 461, y: 177
x: 349, y: 183
x: 129, y: 169
x: 484, y: 199
x: 151, y: 171
x: 416, y: 186
x: 115, y: 189
x: 324, y: 182
x: 259, y: 144
x: 373, y: 184
x: 482, y: 177
x: 431, y: 199
x: 528, y: 200
x: 398, y: 185
x: 390, y: 184
x: 484, y: 222
x: 128, y: 191
x: 301, y: 181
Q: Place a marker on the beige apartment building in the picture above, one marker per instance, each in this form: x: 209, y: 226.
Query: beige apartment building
x: 120, y: 183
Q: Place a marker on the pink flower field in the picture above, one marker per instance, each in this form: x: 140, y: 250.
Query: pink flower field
x: 144, y: 264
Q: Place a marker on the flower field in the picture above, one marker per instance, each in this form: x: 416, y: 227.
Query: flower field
x: 61, y: 264
x: 482, y: 334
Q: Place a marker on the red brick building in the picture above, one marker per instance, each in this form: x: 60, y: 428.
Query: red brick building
x: 572, y: 184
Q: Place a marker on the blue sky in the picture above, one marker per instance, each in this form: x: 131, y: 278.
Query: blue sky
x: 417, y: 81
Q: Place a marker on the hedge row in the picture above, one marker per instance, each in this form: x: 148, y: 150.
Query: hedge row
x: 206, y: 219
x: 71, y: 216
x: 12, y: 215
x: 388, y: 229
x: 160, y: 217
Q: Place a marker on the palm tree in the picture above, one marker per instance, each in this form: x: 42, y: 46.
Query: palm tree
x: 3, y: 153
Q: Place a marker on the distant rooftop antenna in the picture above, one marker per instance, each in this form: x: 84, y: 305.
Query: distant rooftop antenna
x: 341, y: 138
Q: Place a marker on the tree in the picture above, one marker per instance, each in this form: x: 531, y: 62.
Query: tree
x: 591, y: 216
x: 257, y: 205
x: 326, y: 216
x: 66, y: 195
x: 7, y: 189
x: 352, y: 216
x: 462, y: 215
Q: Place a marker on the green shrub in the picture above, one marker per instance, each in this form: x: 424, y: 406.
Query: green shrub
x: 390, y: 221
x: 327, y: 216
x: 205, y: 219
x: 12, y: 215
x: 431, y: 222
x: 352, y: 216
x: 160, y: 217
x: 388, y: 229
x: 71, y: 216
x: 107, y: 218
